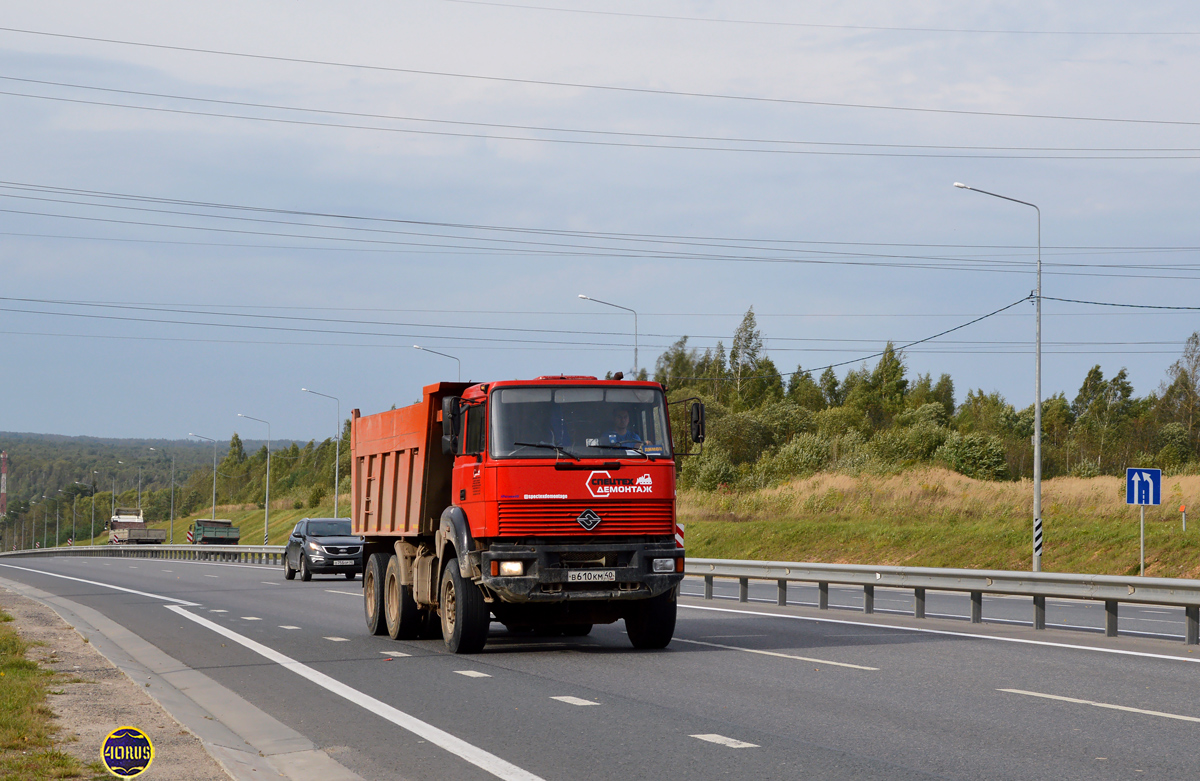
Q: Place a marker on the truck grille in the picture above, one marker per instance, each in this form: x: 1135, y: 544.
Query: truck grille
x: 545, y: 519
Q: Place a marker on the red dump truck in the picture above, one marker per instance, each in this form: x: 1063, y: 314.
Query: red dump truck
x: 548, y: 504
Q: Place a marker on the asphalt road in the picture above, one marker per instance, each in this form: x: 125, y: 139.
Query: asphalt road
x: 745, y: 691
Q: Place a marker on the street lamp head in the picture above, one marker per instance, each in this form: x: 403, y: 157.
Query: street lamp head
x: 416, y: 347
x: 240, y: 415
x: 585, y: 298
x: 961, y: 186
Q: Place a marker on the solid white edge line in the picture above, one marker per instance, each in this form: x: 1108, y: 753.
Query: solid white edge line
x: 105, y: 585
x: 1117, y: 651
x: 476, y: 756
x: 1102, y: 705
x: 776, y: 653
x: 721, y: 740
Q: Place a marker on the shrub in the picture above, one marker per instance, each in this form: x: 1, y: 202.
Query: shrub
x: 804, y: 455
x: 715, y: 471
x: 975, y: 455
x: 318, y: 493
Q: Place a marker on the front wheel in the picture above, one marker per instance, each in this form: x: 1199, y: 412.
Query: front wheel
x: 465, y: 616
x: 305, y: 572
x: 650, y: 623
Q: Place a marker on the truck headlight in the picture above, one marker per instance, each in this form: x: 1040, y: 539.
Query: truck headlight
x: 663, y: 565
x: 512, y: 569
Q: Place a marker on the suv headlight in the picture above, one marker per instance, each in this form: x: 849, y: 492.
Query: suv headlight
x: 315, y: 548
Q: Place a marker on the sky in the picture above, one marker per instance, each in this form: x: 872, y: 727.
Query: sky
x: 205, y: 207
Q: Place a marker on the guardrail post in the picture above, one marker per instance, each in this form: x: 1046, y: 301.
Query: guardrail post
x: 976, y: 607
x: 782, y: 592
x: 1110, y: 618
x: 743, y: 589
x: 868, y: 599
x: 1039, y: 612
x: 918, y: 603
x: 1191, y: 615
x: 823, y: 596
x: 708, y: 579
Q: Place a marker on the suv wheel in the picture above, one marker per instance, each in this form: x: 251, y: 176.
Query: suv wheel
x: 305, y: 572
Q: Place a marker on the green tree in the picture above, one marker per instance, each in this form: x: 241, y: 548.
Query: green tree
x: 745, y: 354
x: 803, y: 391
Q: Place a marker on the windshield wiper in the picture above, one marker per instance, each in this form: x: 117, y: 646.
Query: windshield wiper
x: 635, y: 447
x: 562, y: 451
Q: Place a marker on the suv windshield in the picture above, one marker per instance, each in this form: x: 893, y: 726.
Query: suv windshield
x: 329, y: 529
x: 582, y: 422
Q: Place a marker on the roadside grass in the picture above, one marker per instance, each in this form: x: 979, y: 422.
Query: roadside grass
x: 938, y: 518
x: 27, y: 730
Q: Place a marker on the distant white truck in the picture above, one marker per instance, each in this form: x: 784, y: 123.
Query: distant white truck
x: 128, y: 527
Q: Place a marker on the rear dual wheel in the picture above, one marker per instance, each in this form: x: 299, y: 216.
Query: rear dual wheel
x: 400, y: 609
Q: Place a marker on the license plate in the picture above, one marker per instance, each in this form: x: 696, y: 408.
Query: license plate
x: 342, y: 563
x: 591, y: 575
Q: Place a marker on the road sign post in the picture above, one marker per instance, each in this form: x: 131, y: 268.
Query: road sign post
x: 1143, y: 487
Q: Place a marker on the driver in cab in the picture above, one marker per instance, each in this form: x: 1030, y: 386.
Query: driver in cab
x: 620, y: 433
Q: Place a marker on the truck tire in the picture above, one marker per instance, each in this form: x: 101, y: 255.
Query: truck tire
x: 465, y: 616
x: 288, y: 572
x: 650, y: 623
x: 399, y: 607
x: 305, y: 572
x: 373, y: 593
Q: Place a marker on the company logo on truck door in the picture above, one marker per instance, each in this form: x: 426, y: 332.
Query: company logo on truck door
x: 602, y: 485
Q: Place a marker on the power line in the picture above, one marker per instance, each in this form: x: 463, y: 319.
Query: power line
x: 812, y: 25
x: 598, y: 87
x: 1075, y: 153
x: 1125, y: 306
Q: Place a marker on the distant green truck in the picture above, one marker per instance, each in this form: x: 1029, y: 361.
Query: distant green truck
x: 214, y: 532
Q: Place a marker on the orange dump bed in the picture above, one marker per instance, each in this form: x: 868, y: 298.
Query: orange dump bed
x: 400, y: 480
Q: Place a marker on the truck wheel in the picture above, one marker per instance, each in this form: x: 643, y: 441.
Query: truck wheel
x: 650, y: 623
x: 373, y: 593
x: 465, y: 616
x: 288, y: 572
x: 305, y: 572
x: 403, y: 615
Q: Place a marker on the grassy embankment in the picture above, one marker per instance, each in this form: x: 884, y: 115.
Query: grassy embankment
x: 936, y: 518
x: 27, y: 731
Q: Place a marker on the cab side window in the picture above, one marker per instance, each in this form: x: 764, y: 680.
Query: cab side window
x: 473, y: 442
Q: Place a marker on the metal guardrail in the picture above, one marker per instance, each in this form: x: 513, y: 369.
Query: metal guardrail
x: 245, y: 554
x: 1110, y: 589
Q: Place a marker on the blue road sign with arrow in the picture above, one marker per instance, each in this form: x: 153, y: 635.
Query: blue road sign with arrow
x: 1143, y: 486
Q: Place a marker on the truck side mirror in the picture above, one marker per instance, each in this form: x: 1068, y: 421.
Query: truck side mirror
x: 697, y: 413
x: 450, y: 419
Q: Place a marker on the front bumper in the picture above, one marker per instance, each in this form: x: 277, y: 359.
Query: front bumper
x: 549, y: 569
x: 324, y: 565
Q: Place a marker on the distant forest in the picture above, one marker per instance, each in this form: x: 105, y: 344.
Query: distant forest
x: 765, y: 427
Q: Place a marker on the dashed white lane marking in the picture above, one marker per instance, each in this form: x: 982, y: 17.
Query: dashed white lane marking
x: 104, y: 585
x: 268, y: 583
x: 776, y: 653
x: 455, y: 745
x: 337, y: 639
x: 389, y: 653
x: 286, y: 626
x: 574, y: 700
x: 1125, y: 708
x: 132, y: 567
x: 472, y: 673
x: 212, y: 576
x: 167, y: 570
x: 724, y: 741
x: 251, y: 618
x: 946, y: 632
x: 218, y: 611
x: 348, y: 593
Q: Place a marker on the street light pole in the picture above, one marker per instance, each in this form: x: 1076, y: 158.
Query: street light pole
x: 172, y: 533
x: 337, y: 447
x: 209, y: 439
x: 1037, y: 385
x: 435, y: 352
x: 267, y: 504
x: 635, y: 327
x: 93, y: 497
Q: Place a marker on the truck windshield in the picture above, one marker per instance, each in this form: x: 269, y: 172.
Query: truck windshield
x: 585, y: 421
